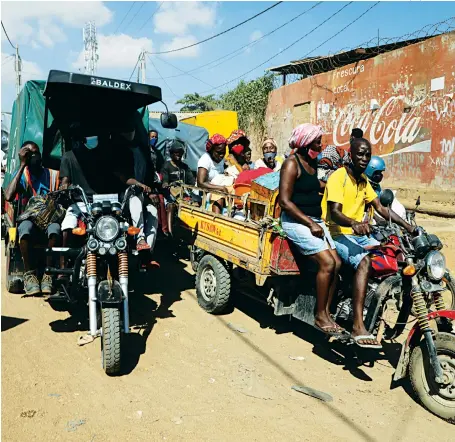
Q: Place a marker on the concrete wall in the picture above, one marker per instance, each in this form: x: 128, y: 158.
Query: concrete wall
x: 404, y: 100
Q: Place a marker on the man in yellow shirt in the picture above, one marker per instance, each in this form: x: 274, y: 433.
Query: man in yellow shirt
x: 343, y: 206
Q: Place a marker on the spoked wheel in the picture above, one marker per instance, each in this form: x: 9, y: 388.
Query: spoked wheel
x: 439, y: 399
x: 110, y: 339
x: 213, y: 285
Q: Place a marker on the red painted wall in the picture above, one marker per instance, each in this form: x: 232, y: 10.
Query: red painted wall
x: 404, y: 100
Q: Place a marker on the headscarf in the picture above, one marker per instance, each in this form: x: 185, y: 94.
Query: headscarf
x: 303, y: 135
x: 269, y: 141
x: 216, y: 140
x: 236, y: 135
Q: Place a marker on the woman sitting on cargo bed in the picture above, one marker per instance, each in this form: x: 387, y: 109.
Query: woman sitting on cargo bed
x: 210, y: 171
x: 300, y: 201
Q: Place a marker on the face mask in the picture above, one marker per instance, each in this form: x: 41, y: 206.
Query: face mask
x: 270, y: 156
x: 91, y: 142
x: 312, y: 154
x: 152, y: 142
x: 35, y: 162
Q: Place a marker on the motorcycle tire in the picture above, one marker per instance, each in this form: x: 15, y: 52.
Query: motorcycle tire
x: 423, y: 385
x: 110, y: 339
x: 213, y: 285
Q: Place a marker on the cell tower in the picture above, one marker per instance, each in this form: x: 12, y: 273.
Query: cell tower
x: 91, y: 48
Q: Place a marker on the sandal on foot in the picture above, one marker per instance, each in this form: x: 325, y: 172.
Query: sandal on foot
x: 326, y: 329
x: 364, y: 337
x: 142, y: 245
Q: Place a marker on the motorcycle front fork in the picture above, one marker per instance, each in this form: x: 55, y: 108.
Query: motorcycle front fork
x: 422, y: 318
x: 92, y: 300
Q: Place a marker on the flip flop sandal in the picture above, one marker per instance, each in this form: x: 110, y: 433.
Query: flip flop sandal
x: 363, y: 337
x: 325, y: 328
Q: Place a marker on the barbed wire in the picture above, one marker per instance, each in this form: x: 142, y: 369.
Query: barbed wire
x: 373, y: 47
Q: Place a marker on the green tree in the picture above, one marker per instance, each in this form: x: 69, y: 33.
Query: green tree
x: 198, y: 103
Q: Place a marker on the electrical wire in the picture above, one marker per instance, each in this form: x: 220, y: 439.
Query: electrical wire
x: 4, y: 30
x: 154, y: 12
x: 239, y: 51
x: 7, y: 59
x: 132, y: 73
x: 184, y: 72
x: 283, y: 50
x: 220, y: 33
x: 135, y: 15
x: 126, y: 15
x: 162, y: 78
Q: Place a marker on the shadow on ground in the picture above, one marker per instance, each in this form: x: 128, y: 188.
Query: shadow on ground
x: 11, y: 322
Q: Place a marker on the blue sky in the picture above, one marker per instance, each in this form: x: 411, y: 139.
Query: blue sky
x: 49, y: 35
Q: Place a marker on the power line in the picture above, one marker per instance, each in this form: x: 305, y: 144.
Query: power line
x: 7, y: 59
x: 135, y: 15
x: 126, y: 15
x: 221, y: 33
x: 137, y: 62
x: 4, y: 30
x: 224, y: 58
x: 154, y: 12
x: 162, y: 78
x: 185, y: 72
x: 283, y: 50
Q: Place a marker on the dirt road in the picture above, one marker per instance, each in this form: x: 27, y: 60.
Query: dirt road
x: 190, y: 376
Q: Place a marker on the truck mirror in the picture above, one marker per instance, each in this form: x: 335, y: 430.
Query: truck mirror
x: 168, y: 120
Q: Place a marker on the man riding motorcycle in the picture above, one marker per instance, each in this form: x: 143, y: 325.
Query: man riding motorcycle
x: 374, y: 172
x: 343, y: 206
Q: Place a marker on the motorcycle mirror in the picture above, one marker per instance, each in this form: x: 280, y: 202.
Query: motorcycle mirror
x: 386, y: 197
x: 168, y: 120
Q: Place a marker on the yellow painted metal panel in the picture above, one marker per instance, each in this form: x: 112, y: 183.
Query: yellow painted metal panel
x: 216, y: 122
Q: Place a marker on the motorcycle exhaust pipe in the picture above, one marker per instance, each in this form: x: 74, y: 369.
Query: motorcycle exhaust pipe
x: 91, y: 282
x: 123, y: 280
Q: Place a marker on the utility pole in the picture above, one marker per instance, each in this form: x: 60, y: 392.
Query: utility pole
x: 90, y: 47
x: 142, y: 68
x: 18, y: 69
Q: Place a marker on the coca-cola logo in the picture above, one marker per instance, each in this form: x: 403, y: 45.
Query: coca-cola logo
x: 378, y: 126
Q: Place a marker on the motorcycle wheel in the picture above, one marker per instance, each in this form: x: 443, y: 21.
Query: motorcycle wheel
x: 110, y: 339
x: 449, y: 293
x: 439, y: 401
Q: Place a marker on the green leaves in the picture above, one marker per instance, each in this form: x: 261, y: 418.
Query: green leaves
x: 198, y: 103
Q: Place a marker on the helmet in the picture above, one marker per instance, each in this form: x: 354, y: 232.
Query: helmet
x: 375, y: 164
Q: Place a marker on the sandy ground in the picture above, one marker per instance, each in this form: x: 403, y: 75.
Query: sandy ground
x: 190, y: 376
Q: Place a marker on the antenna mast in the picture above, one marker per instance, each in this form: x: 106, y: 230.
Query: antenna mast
x: 90, y: 47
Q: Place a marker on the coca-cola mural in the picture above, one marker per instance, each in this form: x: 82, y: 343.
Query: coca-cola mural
x: 402, y: 100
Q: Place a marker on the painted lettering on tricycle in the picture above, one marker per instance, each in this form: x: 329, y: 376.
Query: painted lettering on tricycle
x: 209, y: 227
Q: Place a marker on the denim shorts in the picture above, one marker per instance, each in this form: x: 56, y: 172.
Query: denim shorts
x: 351, y: 248
x: 301, y: 236
x: 27, y: 228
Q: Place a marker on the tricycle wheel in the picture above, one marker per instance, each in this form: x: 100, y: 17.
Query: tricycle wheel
x: 438, y: 399
x: 14, y: 283
x: 110, y: 339
x: 213, y: 285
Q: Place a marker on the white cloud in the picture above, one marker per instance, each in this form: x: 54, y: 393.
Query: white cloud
x: 256, y: 35
x: 30, y: 71
x: 26, y: 22
x: 176, y: 18
x: 181, y: 42
x: 117, y: 51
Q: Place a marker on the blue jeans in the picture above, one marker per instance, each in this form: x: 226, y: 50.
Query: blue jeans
x: 351, y: 248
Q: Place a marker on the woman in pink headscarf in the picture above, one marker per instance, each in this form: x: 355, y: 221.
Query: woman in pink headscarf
x: 300, y: 200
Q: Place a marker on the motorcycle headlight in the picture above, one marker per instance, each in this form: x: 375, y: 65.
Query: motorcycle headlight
x: 436, y: 265
x: 107, y: 228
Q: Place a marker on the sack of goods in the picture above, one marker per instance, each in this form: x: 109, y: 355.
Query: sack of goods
x: 43, y: 211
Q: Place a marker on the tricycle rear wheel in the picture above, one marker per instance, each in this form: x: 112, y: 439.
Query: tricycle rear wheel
x: 440, y: 401
x: 213, y: 285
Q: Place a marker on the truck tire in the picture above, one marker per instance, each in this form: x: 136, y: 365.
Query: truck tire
x: 110, y: 339
x: 213, y: 285
x: 440, y: 402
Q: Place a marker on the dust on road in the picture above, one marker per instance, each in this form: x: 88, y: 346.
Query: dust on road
x: 193, y: 376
